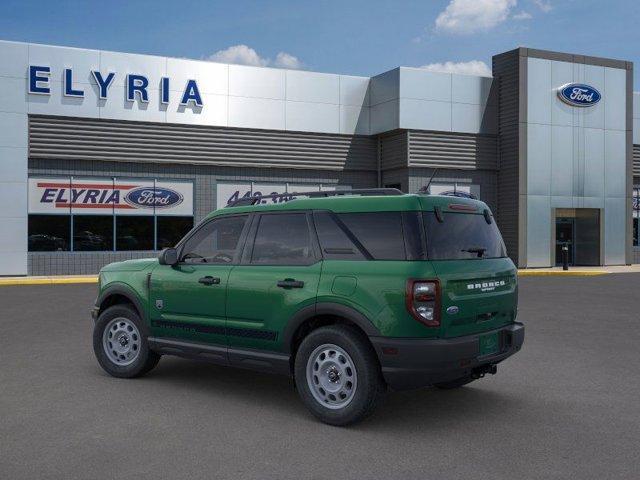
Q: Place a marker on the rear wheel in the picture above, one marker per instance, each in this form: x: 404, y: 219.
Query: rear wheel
x: 119, y: 344
x: 337, y: 375
x: 457, y: 383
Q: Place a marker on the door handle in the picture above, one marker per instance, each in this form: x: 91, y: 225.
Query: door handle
x: 209, y: 280
x: 290, y: 283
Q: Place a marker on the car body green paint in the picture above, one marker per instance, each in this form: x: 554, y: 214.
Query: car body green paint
x: 247, y: 309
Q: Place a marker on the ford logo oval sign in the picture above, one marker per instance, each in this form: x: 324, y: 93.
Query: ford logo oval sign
x: 149, y: 197
x: 579, y: 95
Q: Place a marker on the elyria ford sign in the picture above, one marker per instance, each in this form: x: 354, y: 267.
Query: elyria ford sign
x: 579, y: 95
x: 136, y: 86
x: 100, y: 196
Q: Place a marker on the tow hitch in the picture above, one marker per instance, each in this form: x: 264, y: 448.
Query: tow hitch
x: 481, y: 371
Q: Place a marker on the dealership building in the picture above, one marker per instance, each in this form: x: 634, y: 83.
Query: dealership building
x: 108, y: 156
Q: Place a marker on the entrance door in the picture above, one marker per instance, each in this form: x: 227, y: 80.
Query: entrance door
x: 579, y: 230
x: 564, y: 237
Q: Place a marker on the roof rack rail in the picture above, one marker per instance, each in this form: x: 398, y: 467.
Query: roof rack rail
x: 242, y: 202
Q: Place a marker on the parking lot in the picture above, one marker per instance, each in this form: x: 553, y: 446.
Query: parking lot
x: 567, y: 406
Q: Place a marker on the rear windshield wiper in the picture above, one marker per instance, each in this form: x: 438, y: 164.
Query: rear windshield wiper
x: 477, y: 250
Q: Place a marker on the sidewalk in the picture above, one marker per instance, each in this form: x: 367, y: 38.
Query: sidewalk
x: 49, y: 280
x: 578, y: 271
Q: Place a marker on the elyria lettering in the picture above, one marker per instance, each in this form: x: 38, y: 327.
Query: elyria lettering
x: 136, y: 86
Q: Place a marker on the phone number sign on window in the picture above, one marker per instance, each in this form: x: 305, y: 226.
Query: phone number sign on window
x: 229, y: 192
x: 103, y: 196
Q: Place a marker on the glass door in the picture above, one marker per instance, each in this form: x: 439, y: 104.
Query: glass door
x: 565, y: 229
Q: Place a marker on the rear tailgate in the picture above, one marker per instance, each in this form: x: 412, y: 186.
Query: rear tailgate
x: 477, y: 295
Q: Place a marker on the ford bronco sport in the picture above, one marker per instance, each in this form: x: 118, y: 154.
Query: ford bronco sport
x: 349, y: 294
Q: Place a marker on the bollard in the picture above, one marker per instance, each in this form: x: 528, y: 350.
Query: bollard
x: 565, y: 257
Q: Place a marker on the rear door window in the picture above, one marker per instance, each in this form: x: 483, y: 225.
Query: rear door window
x: 283, y: 239
x: 462, y: 236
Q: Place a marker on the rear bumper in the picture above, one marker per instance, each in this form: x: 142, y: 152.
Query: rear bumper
x: 415, y: 362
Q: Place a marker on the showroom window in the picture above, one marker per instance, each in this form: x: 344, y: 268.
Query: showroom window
x: 107, y: 214
x: 49, y: 233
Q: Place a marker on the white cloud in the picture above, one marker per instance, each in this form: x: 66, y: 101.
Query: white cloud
x: 245, y: 55
x: 286, y: 60
x: 543, y: 5
x: 240, y: 54
x: 469, y: 16
x: 473, y: 67
x: 522, y: 16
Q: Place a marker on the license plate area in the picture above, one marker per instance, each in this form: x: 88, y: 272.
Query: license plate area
x: 489, y: 344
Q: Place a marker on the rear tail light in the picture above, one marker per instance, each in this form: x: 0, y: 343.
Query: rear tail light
x: 423, y: 301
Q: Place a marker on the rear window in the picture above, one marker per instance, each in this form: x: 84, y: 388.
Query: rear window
x: 370, y: 236
x: 462, y: 236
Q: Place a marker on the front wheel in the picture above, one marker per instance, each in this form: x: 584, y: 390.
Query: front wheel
x: 119, y: 344
x: 337, y: 375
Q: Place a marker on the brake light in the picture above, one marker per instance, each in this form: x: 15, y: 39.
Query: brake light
x: 462, y: 207
x: 423, y: 301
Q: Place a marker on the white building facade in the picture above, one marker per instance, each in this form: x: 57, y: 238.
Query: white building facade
x: 106, y: 156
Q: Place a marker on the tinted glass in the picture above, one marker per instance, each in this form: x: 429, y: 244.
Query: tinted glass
x: 413, y: 236
x: 172, y: 229
x: 92, y: 232
x: 282, y: 240
x: 334, y: 242
x: 462, y: 236
x: 134, y: 233
x: 49, y: 233
x: 379, y: 232
x: 215, y: 242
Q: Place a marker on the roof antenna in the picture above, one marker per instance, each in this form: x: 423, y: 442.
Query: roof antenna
x: 425, y: 188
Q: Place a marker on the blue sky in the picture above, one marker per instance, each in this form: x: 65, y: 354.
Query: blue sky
x: 351, y: 37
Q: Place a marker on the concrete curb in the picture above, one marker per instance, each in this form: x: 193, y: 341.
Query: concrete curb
x: 54, y: 280
x: 562, y: 273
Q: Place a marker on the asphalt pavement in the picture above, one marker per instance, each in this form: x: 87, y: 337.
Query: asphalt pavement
x: 567, y: 406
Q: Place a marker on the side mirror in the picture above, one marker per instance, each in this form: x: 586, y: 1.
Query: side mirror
x: 168, y: 256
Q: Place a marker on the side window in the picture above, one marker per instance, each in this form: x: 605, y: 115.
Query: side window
x: 282, y: 239
x: 379, y: 232
x: 334, y: 241
x: 215, y: 242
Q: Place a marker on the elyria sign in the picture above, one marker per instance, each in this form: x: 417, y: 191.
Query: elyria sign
x: 579, y: 95
x: 136, y: 86
x: 53, y: 195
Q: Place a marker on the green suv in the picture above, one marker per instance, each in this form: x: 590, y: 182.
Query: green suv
x: 350, y: 293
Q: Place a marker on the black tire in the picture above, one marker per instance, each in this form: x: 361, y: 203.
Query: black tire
x: 370, y: 386
x: 457, y: 383
x: 146, y: 359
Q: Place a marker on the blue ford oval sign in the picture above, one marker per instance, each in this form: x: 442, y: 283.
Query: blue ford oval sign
x: 579, y: 95
x: 149, y: 197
